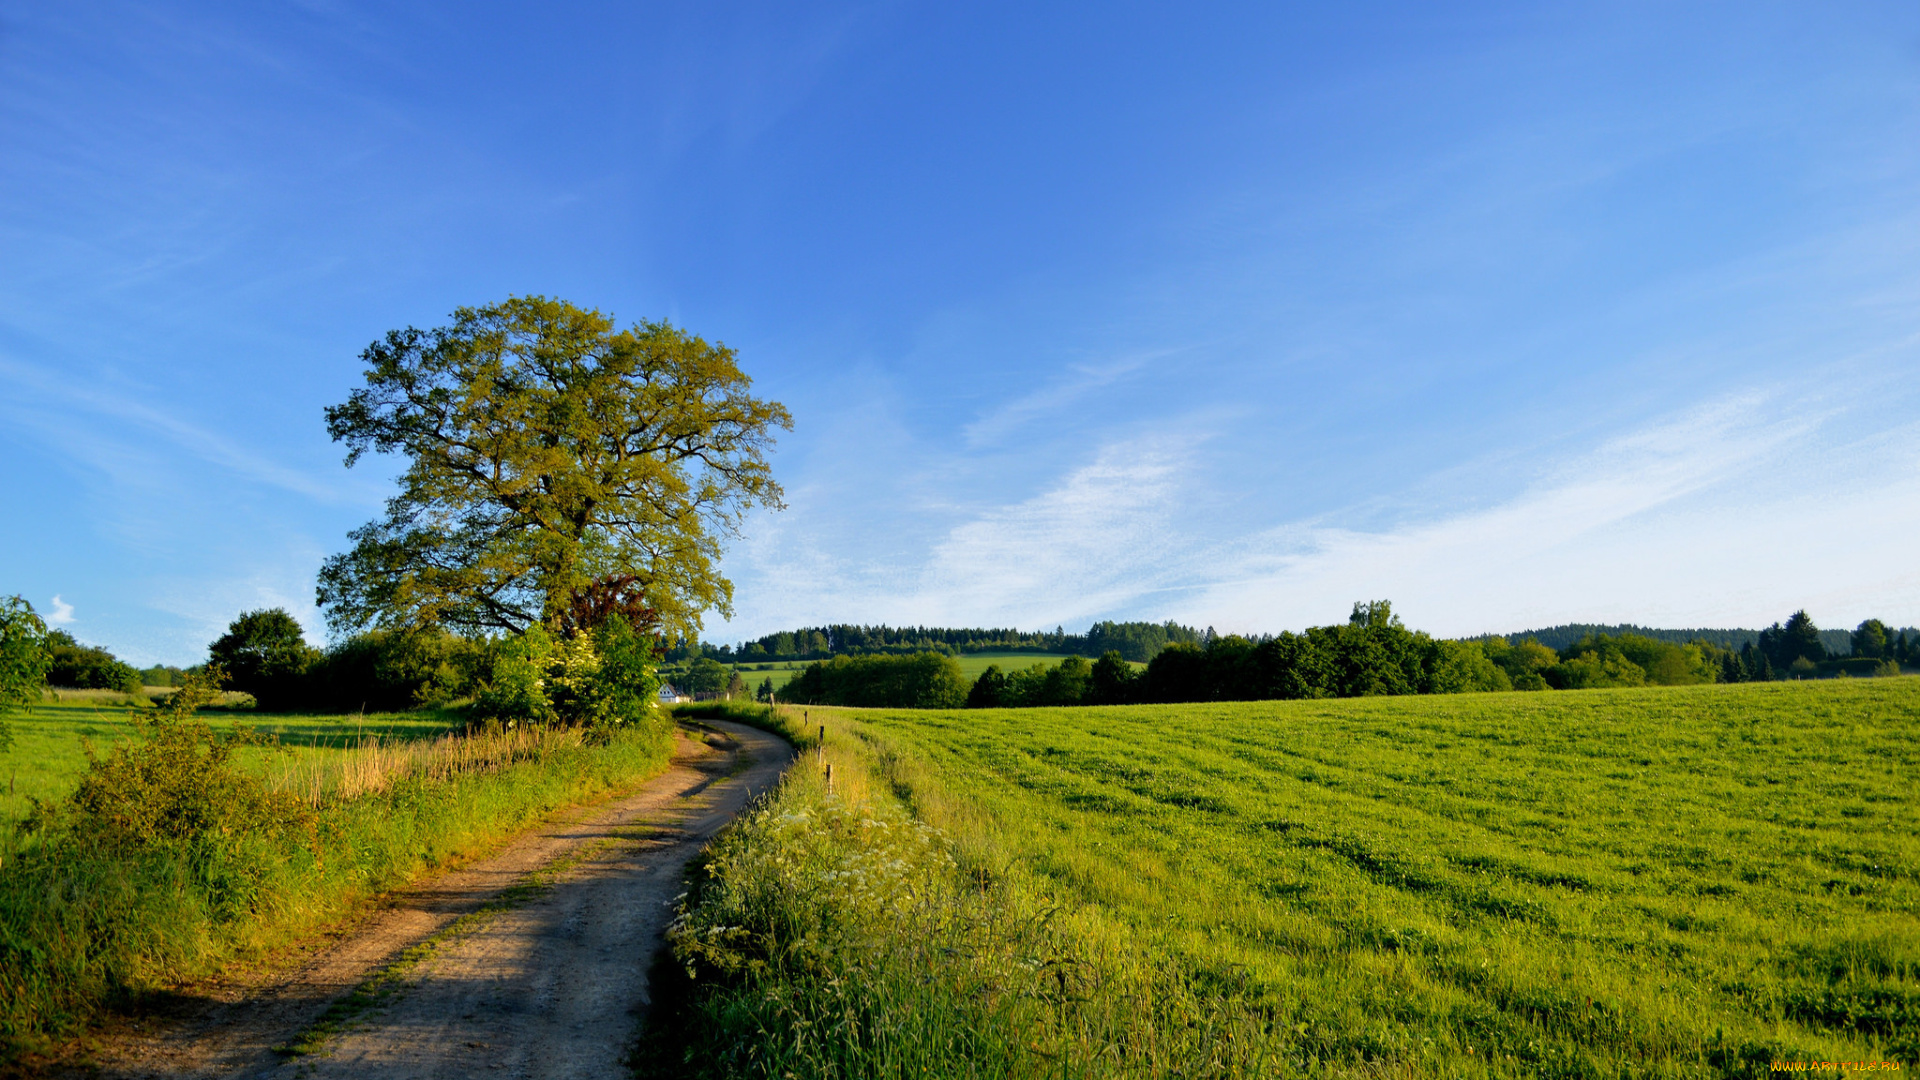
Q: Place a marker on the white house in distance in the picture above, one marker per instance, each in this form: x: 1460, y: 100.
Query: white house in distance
x: 670, y: 696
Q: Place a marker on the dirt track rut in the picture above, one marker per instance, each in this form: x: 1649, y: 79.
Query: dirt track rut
x: 547, y: 987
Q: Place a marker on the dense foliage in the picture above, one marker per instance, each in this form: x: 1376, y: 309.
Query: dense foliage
x: 86, y: 667
x: 1371, y: 654
x: 598, y: 680
x: 546, y: 451
x: 23, y: 660
x: 920, y: 681
x: 265, y: 653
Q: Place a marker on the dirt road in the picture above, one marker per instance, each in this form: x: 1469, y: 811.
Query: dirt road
x: 530, y: 964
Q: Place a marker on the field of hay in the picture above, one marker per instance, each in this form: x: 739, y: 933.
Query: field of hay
x: 1686, y: 881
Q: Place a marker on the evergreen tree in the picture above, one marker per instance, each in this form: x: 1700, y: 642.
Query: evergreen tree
x: 1113, y: 680
x: 1731, y: 668
x: 1870, y: 638
x: 988, y: 690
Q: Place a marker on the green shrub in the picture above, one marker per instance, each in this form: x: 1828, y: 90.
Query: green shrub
x: 515, y: 686
x: 176, y: 782
x: 629, y: 685
x: 23, y: 660
x: 391, y: 670
x: 589, y: 680
x: 82, y: 667
x: 925, y: 680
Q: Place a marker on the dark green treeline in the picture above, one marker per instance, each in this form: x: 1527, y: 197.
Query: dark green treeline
x: 1373, y: 653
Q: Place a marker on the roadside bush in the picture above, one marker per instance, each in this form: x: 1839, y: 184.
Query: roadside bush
x: 175, y: 788
x: 514, y: 689
x: 596, y: 680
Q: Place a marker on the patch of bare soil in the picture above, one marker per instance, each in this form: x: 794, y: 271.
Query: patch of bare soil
x: 532, y: 963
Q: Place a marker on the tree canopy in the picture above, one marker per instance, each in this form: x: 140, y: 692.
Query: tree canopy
x: 265, y: 653
x: 549, y: 455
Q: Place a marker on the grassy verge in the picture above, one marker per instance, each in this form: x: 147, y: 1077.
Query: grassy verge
x: 84, y: 926
x: 1663, y: 882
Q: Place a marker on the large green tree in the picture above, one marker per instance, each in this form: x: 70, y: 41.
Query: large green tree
x: 265, y: 653
x: 549, y: 452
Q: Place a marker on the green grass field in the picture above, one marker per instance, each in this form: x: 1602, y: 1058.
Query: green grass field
x: 973, y: 664
x: 47, y: 757
x: 1689, y: 881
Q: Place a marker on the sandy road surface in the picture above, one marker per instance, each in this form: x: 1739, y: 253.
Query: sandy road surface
x: 546, y: 988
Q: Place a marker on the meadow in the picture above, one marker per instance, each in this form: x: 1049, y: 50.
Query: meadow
x: 1675, y: 881
x: 47, y: 757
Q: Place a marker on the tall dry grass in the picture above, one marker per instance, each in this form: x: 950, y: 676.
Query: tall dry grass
x: 375, y: 765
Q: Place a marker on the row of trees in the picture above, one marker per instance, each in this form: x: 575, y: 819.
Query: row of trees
x: 1373, y: 653
x: 592, y: 671
x: 1142, y: 641
x: 599, y: 673
x: 1139, y: 641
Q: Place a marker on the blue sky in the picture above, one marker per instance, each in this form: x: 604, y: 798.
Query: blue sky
x: 1233, y: 314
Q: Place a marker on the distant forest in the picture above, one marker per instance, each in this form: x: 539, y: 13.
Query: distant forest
x: 1142, y: 641
x: 1836, y: 642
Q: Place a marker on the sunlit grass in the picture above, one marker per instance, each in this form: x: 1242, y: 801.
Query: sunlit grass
x: 47, y: 757
x: 1659, y: 882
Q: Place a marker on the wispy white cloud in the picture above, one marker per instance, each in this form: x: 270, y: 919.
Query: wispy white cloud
x: 1703, y: 519
x: 73, y: 400
x: 1081, y: 382
x: 1733, y: 513
x: 62, y: 613
x: 1098, y: 537
x: 1105, y: 534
